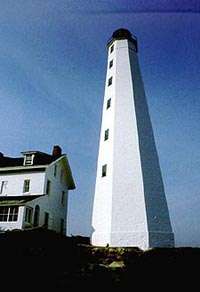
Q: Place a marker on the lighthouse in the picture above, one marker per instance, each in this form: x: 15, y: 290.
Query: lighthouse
x: 130, y: 207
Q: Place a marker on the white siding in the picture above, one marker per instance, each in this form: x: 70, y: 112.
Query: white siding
x: 50, y: 203
x: 15, y: 183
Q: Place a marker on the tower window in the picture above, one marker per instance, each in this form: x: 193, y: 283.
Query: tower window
x: 104, y: 170
x: 110, y: 63
x: 106, y: 134
x: 26, y: 186
x: 109, y: 81
x: 108, y: 103
x: 111, y: 48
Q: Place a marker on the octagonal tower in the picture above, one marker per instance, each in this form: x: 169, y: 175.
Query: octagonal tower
x: 130, y: 207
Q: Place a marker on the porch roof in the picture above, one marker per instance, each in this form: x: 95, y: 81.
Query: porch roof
x: 17, y: 200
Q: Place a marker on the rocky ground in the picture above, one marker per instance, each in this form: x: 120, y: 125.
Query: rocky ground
x: 46, y: 260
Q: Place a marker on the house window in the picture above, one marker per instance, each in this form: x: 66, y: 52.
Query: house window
x: 55, y: 170
x: 28, y: 159
x: 46, y: 219
x: 61, y: 175
x: 108, y: 103
x: 4, y: 211
x: 29, y: 214
x: 36, y: 218
x: 26, y: 186
x: 106, y: 134
x: 62, y: 226
x: 9, y: 214
x: 63, y: 198
x: 48, y: 187
x: 3, y: 186
x: 104, y: 170
x: 109, y: 81
x: 111, y: 48
x: 111, y: 64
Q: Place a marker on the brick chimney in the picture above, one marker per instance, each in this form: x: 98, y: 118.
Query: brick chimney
x: 57, y: 151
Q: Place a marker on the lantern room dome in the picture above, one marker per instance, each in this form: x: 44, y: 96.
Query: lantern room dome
x: 122, y: 33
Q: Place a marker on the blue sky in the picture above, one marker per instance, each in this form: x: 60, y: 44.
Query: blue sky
x: 52, y: 72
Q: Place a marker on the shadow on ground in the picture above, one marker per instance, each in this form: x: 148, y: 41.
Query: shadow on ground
x: 46, y: 260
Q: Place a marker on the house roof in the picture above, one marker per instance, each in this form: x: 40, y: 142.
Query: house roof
x: 39, y: 159
x: 70, y: 180
x: 40, y: 162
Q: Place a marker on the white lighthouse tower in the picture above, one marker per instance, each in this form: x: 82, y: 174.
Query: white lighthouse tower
x: 130, y: 207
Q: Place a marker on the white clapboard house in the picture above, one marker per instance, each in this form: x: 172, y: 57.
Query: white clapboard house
x: 34, y: 190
